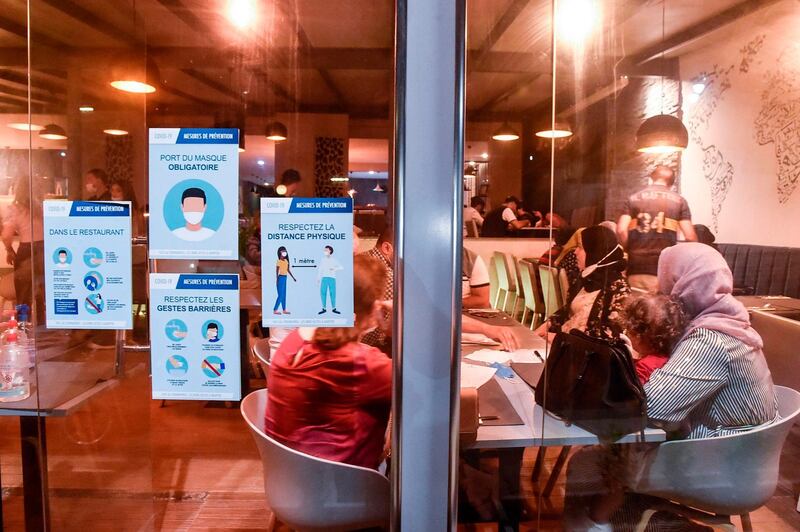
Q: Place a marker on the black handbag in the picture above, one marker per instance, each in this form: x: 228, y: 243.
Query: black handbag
x: 591, y: 382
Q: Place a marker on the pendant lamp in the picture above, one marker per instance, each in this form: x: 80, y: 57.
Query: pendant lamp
x: 276, y: 131
x: 560, y: 131
x: 53, y: 132
x: 505, y: 133
x: 379, y: 188
x: 130, y: 75
x: 662, y: 134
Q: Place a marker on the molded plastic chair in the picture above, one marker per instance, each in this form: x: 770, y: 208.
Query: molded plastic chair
x: 309, y: 493
x: 262, y: 352
x: 506, y: 287
x: 551, y: 289
x: 528, y: 284
x: 724, y: 476
x: 472, y: 229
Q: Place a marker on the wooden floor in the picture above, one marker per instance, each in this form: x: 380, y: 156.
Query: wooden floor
x: 125, y: 463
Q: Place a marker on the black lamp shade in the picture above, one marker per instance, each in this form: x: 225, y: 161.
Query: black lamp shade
x: 276, y: 131
x: 662, y: 134
x: 53, y: 132
x: 130, y: 74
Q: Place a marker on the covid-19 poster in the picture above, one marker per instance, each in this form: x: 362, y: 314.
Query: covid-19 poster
x: 87, y: 258
x: 307, y: 262
x: 194, y: 336
x: 194, y: 193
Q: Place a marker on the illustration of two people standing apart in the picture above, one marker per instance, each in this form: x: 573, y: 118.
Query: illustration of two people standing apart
x: 326, y: 278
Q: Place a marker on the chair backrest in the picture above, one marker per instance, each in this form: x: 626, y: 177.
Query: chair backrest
x: 504, y: 281
x: 309, y: 493
x: 262, y: 351
x: 472, y: 229
x: 551, y: 289
x: 728, y: 475
x: 781, y: 337
x: 527, y: 284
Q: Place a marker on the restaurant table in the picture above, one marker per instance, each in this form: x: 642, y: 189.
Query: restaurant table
x: 538, y: 429
x: 767, y: 303
x: 57, y: 390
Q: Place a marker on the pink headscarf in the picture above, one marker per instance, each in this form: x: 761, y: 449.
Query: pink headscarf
x: 698, y: 276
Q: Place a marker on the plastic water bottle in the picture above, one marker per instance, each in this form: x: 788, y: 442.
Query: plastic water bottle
x: 25, y: 330
x: 15, y: 383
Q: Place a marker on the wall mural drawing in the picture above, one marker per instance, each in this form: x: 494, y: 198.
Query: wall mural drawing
x: 717, y: 171
x: 778, y: 122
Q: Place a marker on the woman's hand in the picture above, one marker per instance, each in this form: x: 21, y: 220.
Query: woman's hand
x: 505, y: 335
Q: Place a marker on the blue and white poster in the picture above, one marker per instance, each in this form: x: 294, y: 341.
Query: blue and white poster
x: 87, y: 257
x: 307, y: 262
x: 194, y: 193
x: 194, y: 336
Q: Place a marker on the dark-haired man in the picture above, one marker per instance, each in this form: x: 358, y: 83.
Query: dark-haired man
x: 96, y: 183
x: 503, y: 220
x: 286, y: 186
x: 650, y: 223
x: 193, y: 206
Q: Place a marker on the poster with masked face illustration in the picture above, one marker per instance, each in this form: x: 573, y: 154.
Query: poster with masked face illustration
x: 194, y: 193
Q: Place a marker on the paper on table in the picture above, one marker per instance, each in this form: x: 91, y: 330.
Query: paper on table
x: 477, y: 339
x: 490, y: 356
x: 473, y: 376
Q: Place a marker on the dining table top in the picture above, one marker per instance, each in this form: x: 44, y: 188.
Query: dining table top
x: 538, y: 428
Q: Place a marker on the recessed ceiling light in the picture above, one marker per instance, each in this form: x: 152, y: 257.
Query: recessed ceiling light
x: 63, y: 154
x: 372, y: 172
x: 241, y: 13
x: 485, y: 155
x: 260, y: 162
x: 85, y: 108
x: 24, y: 126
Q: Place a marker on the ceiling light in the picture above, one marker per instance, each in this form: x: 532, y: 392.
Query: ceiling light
x: 352, y: 192
x: 276, y: 131
x: 241, y: 13
x: 485, y: 155
x: 339, y: 179
x: 694, y: 98
x: 576, y: 19
x: 698, y: 87
x: 281, y: 190
x: 24, y: 126
x: 260, y: 162
x: 115, y: 132
x: 662, y: 134
x: 505, y: 133
x: 379, y: 188
x: 130, y: 75
x: 85, y: 108
x: 560, y: 131
x: 63, y: 154
x: 53, y: 132
x: 372, y: 172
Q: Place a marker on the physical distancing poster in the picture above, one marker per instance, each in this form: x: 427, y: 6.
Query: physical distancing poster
x: 194, y: 336
x: 194, y: 193
x: 307, y: 262
x: 87, y: 260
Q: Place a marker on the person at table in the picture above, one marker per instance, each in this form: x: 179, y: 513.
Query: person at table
x: 380, y: 337
x: 503, y: 221
x: 716, y: 383
x: 329, y: 395
x: 650, y: 223
x: 475, y: 211
x: 96, y: 184
x: 474, y: 281
x: 560, y: 240
x: 594, y: 302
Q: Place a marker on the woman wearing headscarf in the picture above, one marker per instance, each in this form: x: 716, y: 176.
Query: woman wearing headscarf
x: 593, y: 301
x: 716, y: 383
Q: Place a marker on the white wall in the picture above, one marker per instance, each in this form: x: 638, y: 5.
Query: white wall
x: 744, y: 129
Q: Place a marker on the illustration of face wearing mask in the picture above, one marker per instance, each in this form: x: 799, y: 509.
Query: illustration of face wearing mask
x: 193, y: 207
x: 212, y: 332
x: 62, y: 259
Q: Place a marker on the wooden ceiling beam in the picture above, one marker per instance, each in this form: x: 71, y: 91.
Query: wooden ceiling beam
x: 187, y: 16
x: 699, y: 30
x: 23, y: 94
x: 89, y: 18
x: 209, y: 81
x: 503, y: 23
x: 37, y: 85
x: 37, y: 38
x: 259, y: 110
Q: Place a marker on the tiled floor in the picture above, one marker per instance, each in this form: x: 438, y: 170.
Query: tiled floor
x: 124, y: 463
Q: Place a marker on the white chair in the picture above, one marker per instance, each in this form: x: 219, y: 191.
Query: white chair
x: 711, y: 479
x: 262, y: 351
x: 309, y: 493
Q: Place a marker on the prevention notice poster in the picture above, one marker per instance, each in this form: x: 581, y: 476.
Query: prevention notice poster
x: 87, y: 258
x: 194, y: 193
x: 194, y: 336
x: 307, y: 262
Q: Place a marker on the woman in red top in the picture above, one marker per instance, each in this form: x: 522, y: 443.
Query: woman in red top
x: 329, y: 395
x: 653, y: 323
